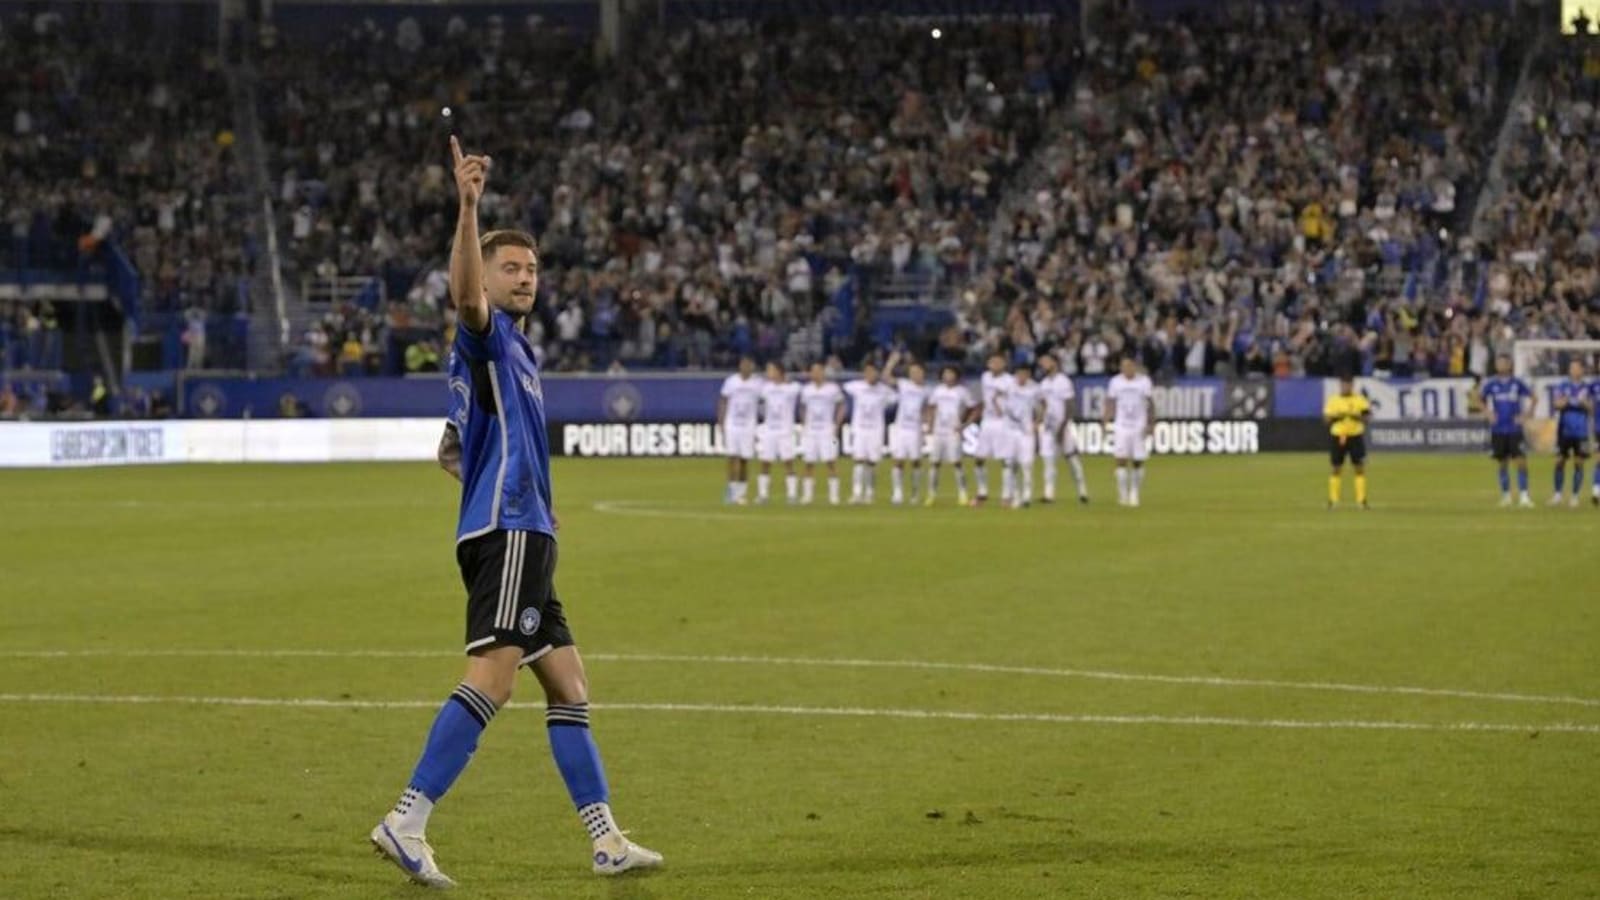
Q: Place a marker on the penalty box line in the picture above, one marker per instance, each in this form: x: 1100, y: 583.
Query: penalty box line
x: 823, y: 662
x: 837, y: 712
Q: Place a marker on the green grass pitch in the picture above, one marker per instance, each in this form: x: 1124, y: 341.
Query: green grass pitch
x: 1163, y: 702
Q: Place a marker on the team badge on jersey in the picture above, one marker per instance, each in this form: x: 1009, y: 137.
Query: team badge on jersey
x: 530, y: 383
x: 529, y: 623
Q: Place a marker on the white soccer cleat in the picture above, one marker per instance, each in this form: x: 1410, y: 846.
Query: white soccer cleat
x: 615, y: 854
x: 410, y: 853
x: 1525, y: 502
x: 1573, y: 502
x: 1505, y: 499
x: 1133, y: 499
x: 1555, y: 499
x: 962, y: 499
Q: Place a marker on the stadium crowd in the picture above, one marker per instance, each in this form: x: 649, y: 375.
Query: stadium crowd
x: 706, y: 194
x: 1273, y: 191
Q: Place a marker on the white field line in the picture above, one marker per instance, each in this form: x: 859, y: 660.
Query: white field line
x: 815, y: 662
x: 835, y: 711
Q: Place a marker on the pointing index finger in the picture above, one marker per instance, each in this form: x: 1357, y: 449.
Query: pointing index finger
x: 455, y: 150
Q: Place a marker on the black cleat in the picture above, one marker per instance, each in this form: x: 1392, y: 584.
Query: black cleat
x: 1083, y: 499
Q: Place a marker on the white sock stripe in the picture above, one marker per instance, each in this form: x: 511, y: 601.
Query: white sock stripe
x: 475, y: 701
x: 472, y: 693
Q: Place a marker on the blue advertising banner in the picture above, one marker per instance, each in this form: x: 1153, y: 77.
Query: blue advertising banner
x: 650, y: 398
x: 578, y: 398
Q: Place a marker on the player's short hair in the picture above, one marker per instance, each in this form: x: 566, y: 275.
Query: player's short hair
x: 950, y: 369
x: 508, y: 237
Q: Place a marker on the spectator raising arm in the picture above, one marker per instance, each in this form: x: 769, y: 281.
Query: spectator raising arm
x: 466, y: 260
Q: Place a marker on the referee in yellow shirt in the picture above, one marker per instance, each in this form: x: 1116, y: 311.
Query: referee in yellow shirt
x: 1346, y: 414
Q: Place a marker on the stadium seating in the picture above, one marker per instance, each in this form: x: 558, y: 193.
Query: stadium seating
x: 1273, y: 192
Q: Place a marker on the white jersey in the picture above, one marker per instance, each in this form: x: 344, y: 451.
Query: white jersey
x: 912, y: 400
x: 819, y: 404
x: 1021, y: 402
x: 1130, y: 395
x: 992, y: 387
x: 744, y: 400
x: 777, y: 405
x: 950, y: 405
x: 870, y: 404
x: 1058, y: 393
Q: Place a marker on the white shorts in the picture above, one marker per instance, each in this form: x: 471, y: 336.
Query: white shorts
x: 1021, y: 451
x: 946, y: 448
x: 741, y: 441
x: 866, y: 444
x: 905, y: 444
x: 994, y: 439
x: 1057, y: 440
x: 819, y: 446
x: 1129, y: 443
x: 775, y: 446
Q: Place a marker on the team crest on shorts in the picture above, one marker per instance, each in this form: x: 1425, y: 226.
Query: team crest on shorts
x: 529, y: 623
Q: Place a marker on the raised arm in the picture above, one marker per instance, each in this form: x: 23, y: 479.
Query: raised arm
x: 466, y: 260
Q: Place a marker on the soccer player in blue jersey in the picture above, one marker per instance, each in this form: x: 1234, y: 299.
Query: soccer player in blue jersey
x: 506, y: 549
x: 1506, y: 402
x: 1573, y: 409
x: 1594, y: 412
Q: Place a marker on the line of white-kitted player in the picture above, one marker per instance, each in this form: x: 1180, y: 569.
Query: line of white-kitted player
x: 1022, y: 418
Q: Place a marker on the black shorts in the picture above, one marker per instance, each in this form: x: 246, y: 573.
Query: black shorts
x: 511, y: 593
x: 1507, y: 446
x: 1352, y: 448
x: 1571, y: 446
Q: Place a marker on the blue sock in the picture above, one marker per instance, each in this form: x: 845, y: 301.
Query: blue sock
x: 452, y: 740
x: 1522, y: 480
x: 576, y: 754
x: 1505, y: 481
x: 1577, y: 479
x: 1561, y: 477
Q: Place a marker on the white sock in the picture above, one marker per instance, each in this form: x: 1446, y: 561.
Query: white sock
x: 596, y: 818
x: 788, y: 487
x: 833, y: 489
x: 933, y: 480
x: 1122, y: 484
x: 868, y: 480
x: 1007, y: 483
x: 898, y: 477
x: 412, y: 811
x: 981, y: 476
x: 961, y: 479
x: 1027, y: 484
x: 810, y: 485
x: 912, y: 480
x: 1138, y: 478
x: 856, y: 471
x: 1050, y: 476
x: 1077, y: 475
x: 763, y: 484
x: 739, y: 489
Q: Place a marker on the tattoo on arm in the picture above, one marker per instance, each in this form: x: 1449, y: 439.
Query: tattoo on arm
x: 450, y: 451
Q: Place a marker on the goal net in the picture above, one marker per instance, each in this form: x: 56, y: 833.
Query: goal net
x: 1543, y: 365
x: 1550, y: 359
